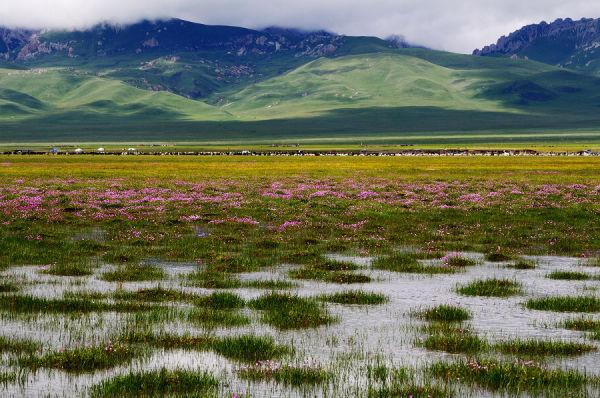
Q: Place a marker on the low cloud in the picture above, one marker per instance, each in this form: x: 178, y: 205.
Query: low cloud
x: 453, y: 25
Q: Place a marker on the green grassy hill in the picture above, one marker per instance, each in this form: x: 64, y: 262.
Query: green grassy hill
x: 29, y: 94
x: 408, y: 96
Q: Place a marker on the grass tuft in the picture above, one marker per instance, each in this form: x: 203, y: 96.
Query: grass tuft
x: 87, y: 359
x: 339, y: 277
x: 565, y: 304
x: 583, y: 325
x: 540, y: 348
x: 8, y: 287
x: 442, y: 337
x: 158, y: 383
x: 71, y: 269
x: 220, y: 301
x: 134, y: 273
x: 250, y: 349
x: 569, y: 276
x: 355, y: 297
x: 214, y: 280
x: 509, y: 376
x: 209, y: 317
x: 287, y: 375
x: 154, y: 295
x: 498, y: 257
x: 522, y: 264
x: 491, y: 288
x: 18, y: 346
x: 32, y: 304
x: 408, y: 263
x: 284, y: 311
x: 444, y: 313
x: 412, y: 391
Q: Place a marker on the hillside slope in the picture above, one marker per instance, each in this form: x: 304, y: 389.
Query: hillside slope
x: 30, y: 94
x: 186, y: 58
x: 396, y: 94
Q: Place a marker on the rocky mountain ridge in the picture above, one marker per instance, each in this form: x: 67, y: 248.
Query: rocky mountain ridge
x: 169, y: 36
x: 564, y: 42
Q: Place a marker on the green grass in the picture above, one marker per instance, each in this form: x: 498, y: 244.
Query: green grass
x: 498, y: 257
x: 158, y: 383
x: 593, y: 262
x: 209, y: 317
x: 444, y: 313
x: 86, y: 359
x: 583, y: 324
x: 565, y: 304
x: 540, y: 348
x: 244, y: 348
x: 274, y: 284
x: 457, y: 261
x: 522, y: 264
x: 411, y: 390
x: 442, y: 337
x: 7, y: 377
x: 355, y: 297
x: 214, y: 280
x: 154, y: 295
x: 286, y: 375
x: 333, y: 265
x: 32, y: 304
x: 284, y: 311
x: 134, y: 273
x: 17, y: 346
x: 338, y: 277
x: 407, y: 263
x: 220, y: 301
x: 250, y: 349
x: 9, y: 287
x: 491, y: 288
x: 569, y: 276
x: 83, y: 268
x: 512, y: 377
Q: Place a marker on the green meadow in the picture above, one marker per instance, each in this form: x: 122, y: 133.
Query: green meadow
x: 232, y: 276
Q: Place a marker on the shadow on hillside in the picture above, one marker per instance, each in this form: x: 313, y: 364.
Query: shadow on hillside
x: 366, y: 122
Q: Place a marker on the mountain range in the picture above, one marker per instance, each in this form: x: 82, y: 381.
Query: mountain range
x: 175, y: 80
x: 564, y: 42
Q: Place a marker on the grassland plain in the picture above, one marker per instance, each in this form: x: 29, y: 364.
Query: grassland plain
x: 233, y: 273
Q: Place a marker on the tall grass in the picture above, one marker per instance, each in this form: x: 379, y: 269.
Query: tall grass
x: 565, y: 304
x: 444, y: 313
x: 355, y: 297
x: 512, y: 377
x: 285, y: 311
x: 569, y: 276
x: 287, y: 375
x: 540, y: 348
x: 491, y: 288
x: 134, y: 273
x: 158, y: 383
x: 408, y: 263
x: 86, y: 359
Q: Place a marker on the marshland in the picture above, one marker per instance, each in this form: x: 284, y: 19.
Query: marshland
x: 299, y: 277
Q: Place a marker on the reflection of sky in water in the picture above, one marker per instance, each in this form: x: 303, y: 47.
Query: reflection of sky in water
x: 363, y: 336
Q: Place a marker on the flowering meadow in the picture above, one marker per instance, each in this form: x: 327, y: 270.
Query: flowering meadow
x: 244, y: 276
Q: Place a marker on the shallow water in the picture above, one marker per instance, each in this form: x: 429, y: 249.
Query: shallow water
x: 363, y: 335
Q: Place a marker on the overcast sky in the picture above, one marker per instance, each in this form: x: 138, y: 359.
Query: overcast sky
x: 454, y: 25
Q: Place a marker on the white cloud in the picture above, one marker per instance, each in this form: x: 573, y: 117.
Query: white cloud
x: 455, y: 25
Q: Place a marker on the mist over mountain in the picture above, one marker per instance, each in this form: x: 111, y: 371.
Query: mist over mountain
x: 173, y: 35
